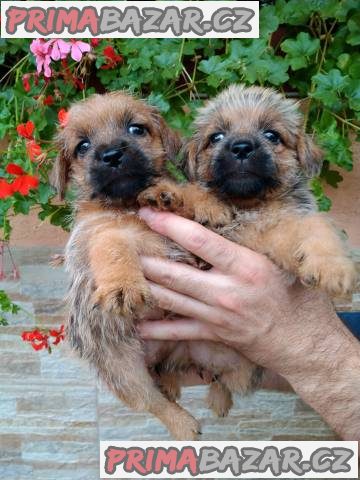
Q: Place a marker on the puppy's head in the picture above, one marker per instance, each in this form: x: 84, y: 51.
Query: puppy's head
x: 113, y: 146
x: 249, y: 144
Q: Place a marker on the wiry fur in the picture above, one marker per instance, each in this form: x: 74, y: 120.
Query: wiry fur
x: 108, y: 292
x: 280, y: 220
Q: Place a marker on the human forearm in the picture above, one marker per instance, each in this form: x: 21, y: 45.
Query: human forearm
x: 329, y: 381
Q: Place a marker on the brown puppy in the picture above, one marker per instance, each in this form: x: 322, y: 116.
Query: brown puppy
x: 250, y: 157
x: 113, y: 147
x: 250, y: 160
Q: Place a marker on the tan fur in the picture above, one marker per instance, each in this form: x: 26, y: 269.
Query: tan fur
x: 281, y: 223
x: 108, y: 292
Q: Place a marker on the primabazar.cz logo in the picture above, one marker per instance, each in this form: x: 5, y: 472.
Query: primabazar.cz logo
x: 146, y: 19
x: 228, y: 459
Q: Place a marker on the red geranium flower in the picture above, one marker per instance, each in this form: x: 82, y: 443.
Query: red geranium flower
x: 26, y: 129
x: 57, y: 334
x: 24, y: 183
x: 94, y: 42
x: 6, y: 189
x: 112, y: 59
x: 37, y: 339
x: 14, y: 169
x: 63, y: 117
x: 33, y: 150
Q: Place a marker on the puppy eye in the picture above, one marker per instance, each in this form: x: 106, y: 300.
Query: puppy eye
x: 272, y: 136
x: 136, y: 129
x: 216, y: 137
x: 83, y: 147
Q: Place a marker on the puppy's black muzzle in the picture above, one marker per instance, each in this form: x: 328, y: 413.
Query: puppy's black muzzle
x: 121, y: 171
x: 242, y: 168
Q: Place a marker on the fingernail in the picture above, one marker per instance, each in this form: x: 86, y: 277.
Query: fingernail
x: 147, y: 214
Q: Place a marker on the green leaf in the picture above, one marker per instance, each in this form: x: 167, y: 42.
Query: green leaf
x: 239, y: 50
x: 300, y: 50
x: 158, y: 100
x: 332, y: 177
x: 343, y: 61
x: 45, y: 192
x: 337, y: 148
x: 329, y: 87
x: 293, y: 12
x: 269, y: 21
x: 217, y: 70
x: 7, y: 306
x: 22, y: 204
x: 354, y: 28
x: 353, y: 94
x: 270, y: 69
x: 323, y: 202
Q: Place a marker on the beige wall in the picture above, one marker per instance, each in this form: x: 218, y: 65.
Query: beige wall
x: 29, y: 230
x: 346, y: 201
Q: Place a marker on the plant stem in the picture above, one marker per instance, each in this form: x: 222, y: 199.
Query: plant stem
x: 343, y: 120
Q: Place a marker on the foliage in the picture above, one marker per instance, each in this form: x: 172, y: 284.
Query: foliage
x: 309, y: 50
x: 6, y: 306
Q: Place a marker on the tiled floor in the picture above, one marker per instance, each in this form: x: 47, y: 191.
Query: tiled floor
x: 53, y: 412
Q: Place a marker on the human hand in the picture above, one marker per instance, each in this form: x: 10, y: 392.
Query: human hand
x: 245, y: 301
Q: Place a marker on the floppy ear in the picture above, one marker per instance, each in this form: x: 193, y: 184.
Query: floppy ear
x: 61, y: 171
x: 171, y: 140
x: 310, y: 156
x: 189, y: 159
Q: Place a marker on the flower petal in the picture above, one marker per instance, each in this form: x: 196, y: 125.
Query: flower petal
x: 14, y: 169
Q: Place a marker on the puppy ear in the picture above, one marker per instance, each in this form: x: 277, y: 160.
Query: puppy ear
x: 171, y: 140
x: 189, y: 159
x: 61, y: 172
x: 310, y: 156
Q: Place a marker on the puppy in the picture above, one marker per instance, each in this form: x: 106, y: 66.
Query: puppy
x: 113, y: 147
x: 249, y: 162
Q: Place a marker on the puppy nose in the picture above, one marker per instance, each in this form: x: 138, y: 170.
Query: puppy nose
x: 242, y: 148
x: 112, y: 156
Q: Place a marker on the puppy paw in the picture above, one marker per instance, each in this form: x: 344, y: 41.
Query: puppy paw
x: 163, y: 197
x: 126, y: 300
x: 213, y: 215
x: 334, y: 274
x: 219, y: 399
x: 186, y: 428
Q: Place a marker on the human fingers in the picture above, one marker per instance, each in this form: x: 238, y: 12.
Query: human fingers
x: 184, y: 279
x: 188, y: 307
x: 226, y: 256
x: 179, y: 329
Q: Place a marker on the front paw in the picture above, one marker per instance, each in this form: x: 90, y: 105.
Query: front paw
x: 334, y: 274
x: 126, y: 299
x: 162, y: 197
x: 215, y: 215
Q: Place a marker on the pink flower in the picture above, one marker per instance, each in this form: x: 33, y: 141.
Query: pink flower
x: 42, y: 52
x: 78, y: 48
x: 60, y: 49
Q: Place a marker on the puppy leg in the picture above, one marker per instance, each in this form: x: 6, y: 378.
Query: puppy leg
x: 188, y: 200
x: 120, y: 283
x: 125, y: 372
x: 311, y: 248
x: 169, y: 386
x: 219, y: 399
